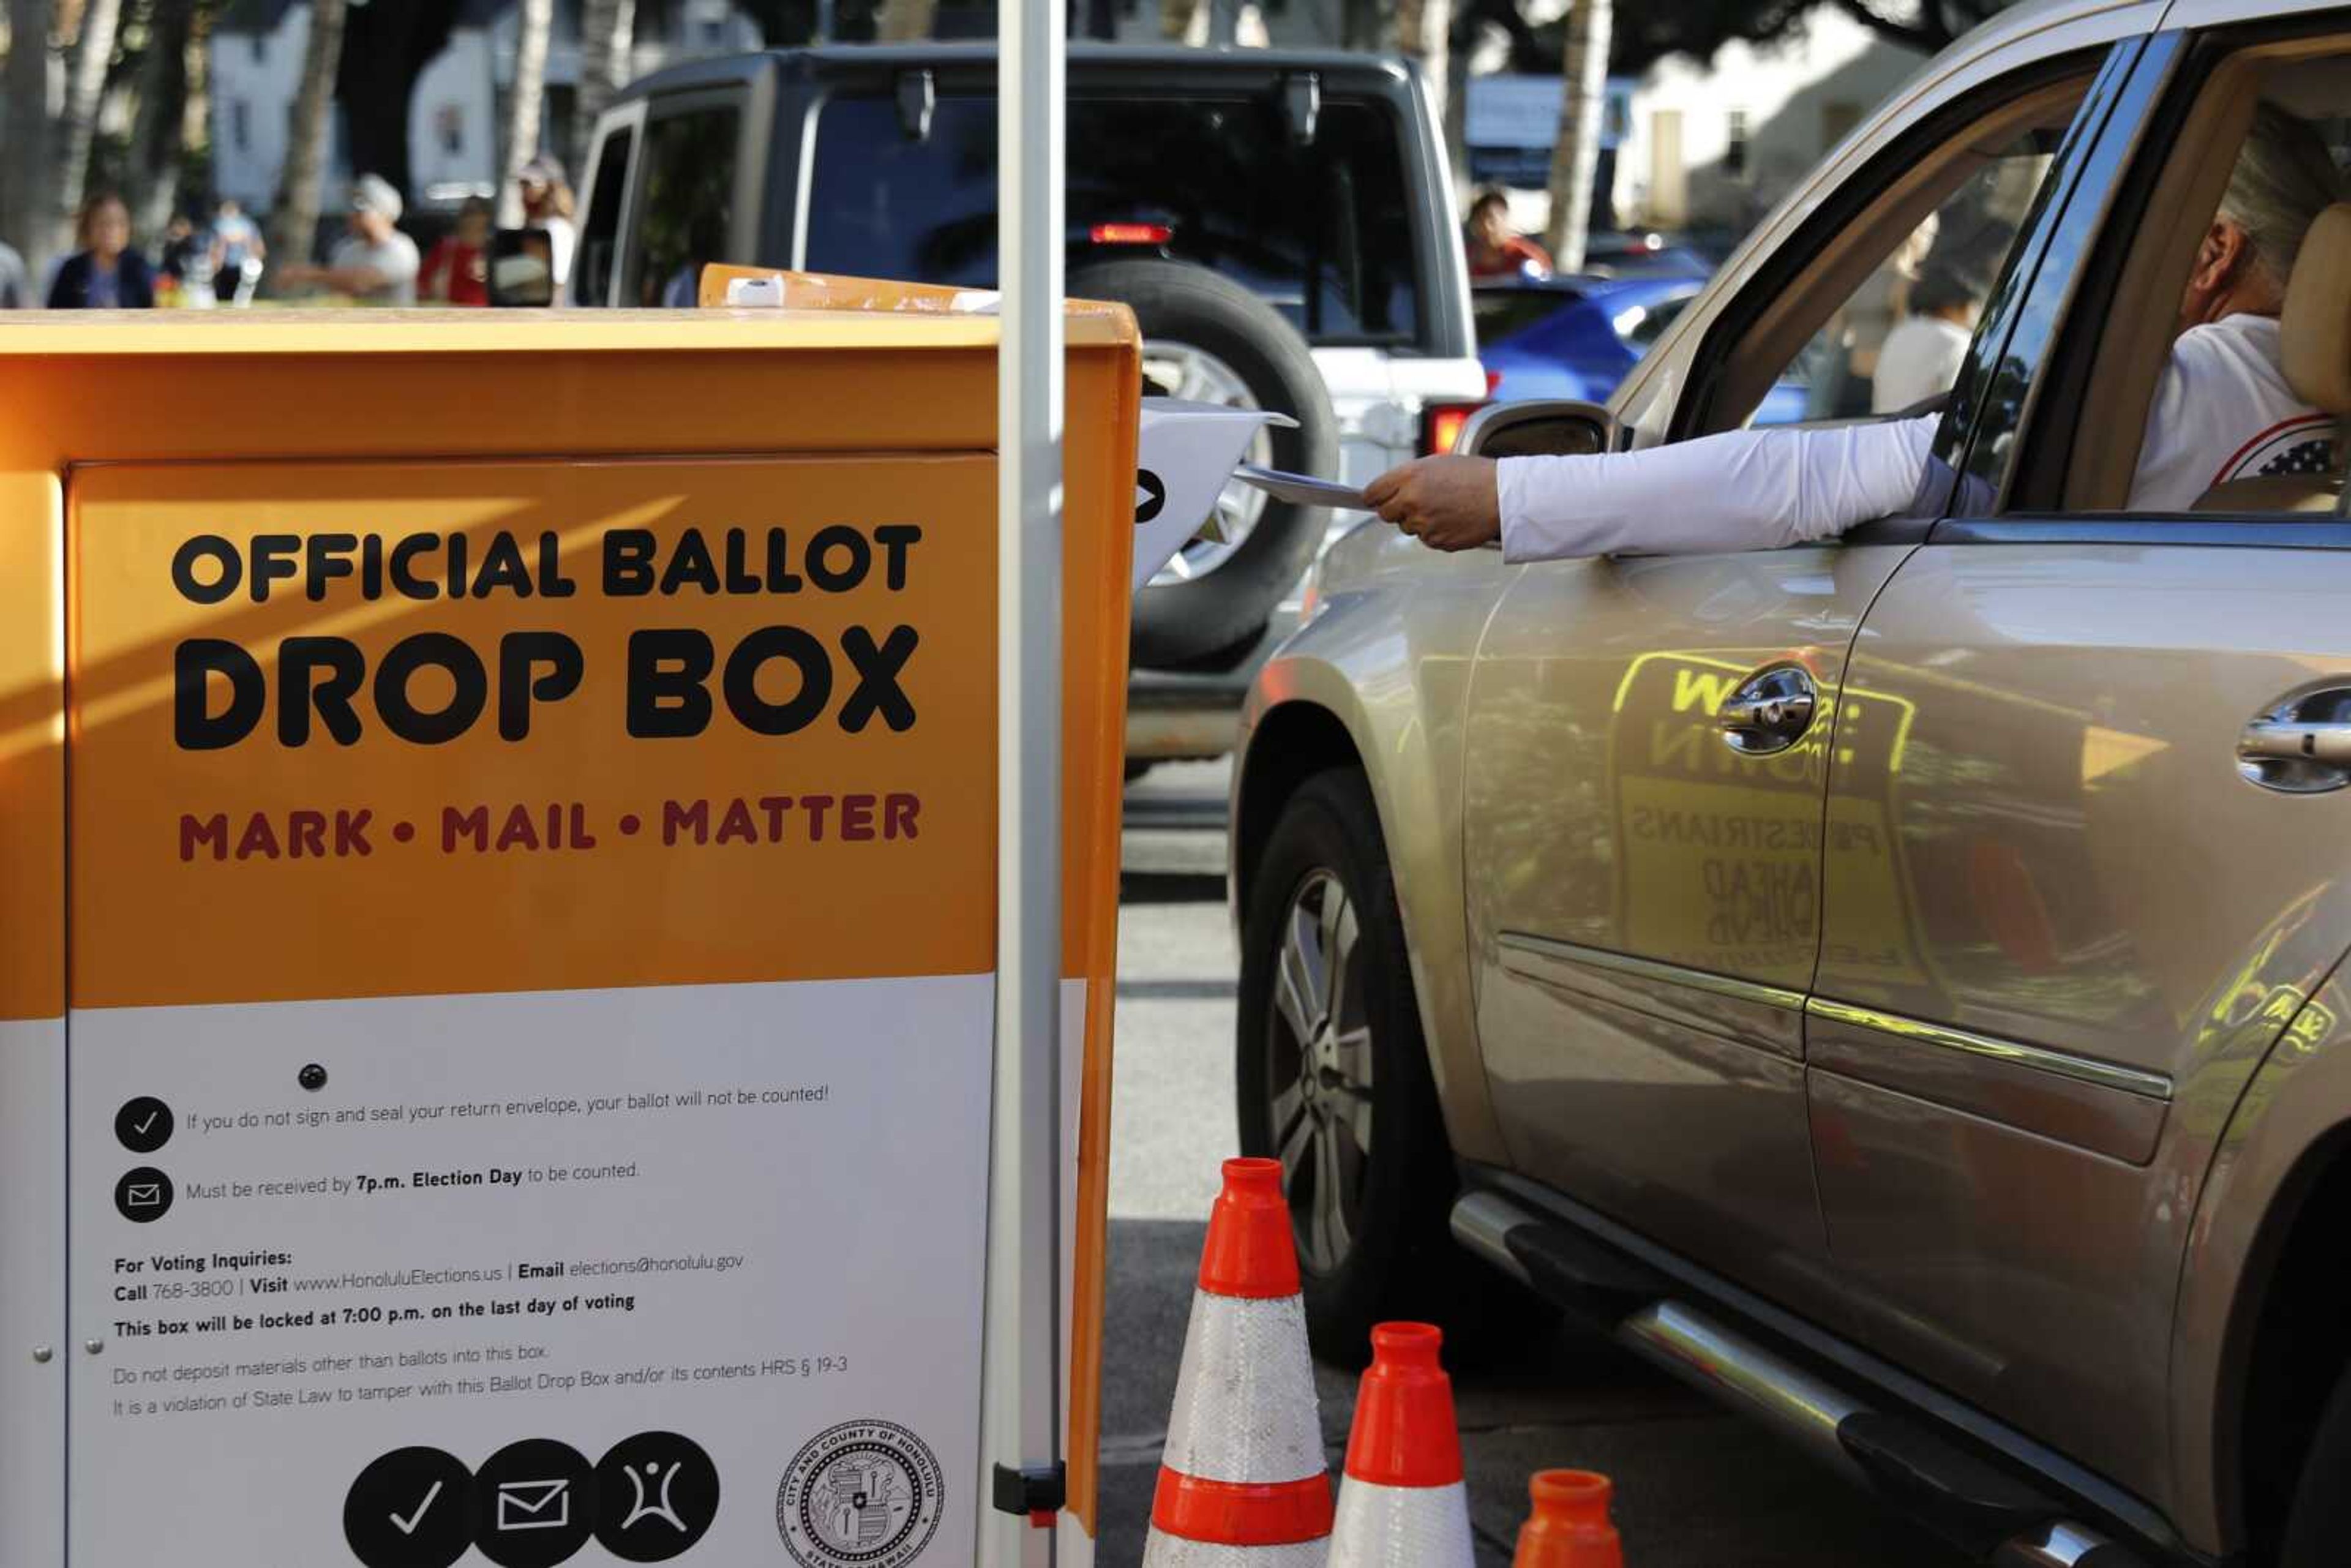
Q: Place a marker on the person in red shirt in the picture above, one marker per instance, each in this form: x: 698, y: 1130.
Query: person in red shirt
x: 1495, y: 251
x: 458, y: 270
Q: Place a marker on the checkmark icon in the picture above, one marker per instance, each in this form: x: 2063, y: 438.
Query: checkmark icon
x: 141, y: 1127
x: 408, y: 1526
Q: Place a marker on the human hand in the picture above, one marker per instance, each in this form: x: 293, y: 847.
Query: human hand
x: 1445, y: 503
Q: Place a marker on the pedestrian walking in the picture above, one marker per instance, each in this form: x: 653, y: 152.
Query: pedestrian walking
x: 375, y: 263
x: 456, y: 269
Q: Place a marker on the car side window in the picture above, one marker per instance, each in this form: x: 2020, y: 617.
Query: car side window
x: 591, y: 282
x: 688, y: 210
x: 1872, y: 313
x: 2201, y: 366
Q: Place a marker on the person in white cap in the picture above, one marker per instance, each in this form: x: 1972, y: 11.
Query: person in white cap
x: 375, y: 263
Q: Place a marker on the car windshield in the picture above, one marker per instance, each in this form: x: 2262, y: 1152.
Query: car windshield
x: 1322, y: 232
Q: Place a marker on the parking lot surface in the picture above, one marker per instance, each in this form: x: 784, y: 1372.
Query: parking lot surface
x: 1695, y: 1487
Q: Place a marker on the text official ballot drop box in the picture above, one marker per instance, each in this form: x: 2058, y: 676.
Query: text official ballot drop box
x: 498, y: 817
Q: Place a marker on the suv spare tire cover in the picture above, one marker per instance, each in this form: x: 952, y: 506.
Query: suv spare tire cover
x: 1223, y: 611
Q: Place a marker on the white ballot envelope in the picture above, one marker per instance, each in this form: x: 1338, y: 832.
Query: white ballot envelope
x: 1304, y: 489
x: 1187, y: 456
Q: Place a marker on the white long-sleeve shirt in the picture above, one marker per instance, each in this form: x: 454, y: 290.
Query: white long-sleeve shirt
x: 2223, y: 411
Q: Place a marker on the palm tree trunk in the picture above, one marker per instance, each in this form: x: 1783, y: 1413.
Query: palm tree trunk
x: 533, y: 20
x: 293, y: 216
x: 85, y: 86
x: 608, y: 31
x: 159, y: 126
x: 1575, y: 161
x: 24, y: 189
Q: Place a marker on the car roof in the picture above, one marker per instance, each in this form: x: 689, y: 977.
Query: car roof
x: 853, y: 62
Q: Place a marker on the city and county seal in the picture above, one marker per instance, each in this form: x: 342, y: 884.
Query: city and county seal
x: 863, y: 1494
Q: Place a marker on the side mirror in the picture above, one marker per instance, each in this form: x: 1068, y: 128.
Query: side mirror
x: 1540, y: 427
x: 522, y: 267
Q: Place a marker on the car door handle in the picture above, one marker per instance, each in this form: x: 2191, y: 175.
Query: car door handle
x: 2302, y: 746
x: 2271, y: 741
x: 1771, y: 710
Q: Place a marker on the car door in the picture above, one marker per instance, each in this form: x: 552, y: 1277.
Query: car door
x: 1641, y: 881
x: 2114, y: 877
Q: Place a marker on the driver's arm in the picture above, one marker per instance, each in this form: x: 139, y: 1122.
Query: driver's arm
x: 1740, y: 490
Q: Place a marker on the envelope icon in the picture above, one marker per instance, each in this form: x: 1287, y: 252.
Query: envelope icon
x: 534, y: 1505
x: 143, y: 1194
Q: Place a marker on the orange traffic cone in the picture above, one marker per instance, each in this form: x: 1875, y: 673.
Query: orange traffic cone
x: 1570, y: 1527
x: 1402, y: 1504
x: 1243, y: 1483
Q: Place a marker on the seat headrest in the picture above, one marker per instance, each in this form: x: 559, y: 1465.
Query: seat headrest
x: 2314, y: 327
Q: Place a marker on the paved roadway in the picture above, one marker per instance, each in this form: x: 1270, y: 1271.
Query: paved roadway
x: 1695, y: 1488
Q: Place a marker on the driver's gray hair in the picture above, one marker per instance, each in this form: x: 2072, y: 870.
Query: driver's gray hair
x: 2284, y: 179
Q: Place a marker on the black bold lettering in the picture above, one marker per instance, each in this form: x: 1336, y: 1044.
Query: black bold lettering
x: 552, y: 583
x: 821, y: 569
x: 897, y: 540
x: 193, y: 724
x: 877, y: 678
x: 502, y: 567
x: 628, y: 563
x: 207, y: 547
x: 405, y: 581
x: 518, y: 651
x: 274, y: 558
x: 754, y: 712
x: 410, y: 655
x: 690, y: 565
x: 329, y: 557
x: 667, y: 669
x: 298, y: 660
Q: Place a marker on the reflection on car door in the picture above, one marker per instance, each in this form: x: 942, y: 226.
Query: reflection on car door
x: 1642, y: 891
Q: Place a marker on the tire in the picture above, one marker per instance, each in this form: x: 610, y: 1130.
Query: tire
x: 2318, y: 1522
x: 1396, y: 1180
x: 1185, y: 306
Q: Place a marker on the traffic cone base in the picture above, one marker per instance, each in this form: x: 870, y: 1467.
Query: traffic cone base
x: 1168, y: 1551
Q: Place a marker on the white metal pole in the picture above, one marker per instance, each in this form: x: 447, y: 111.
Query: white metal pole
x: 1020, y: 1387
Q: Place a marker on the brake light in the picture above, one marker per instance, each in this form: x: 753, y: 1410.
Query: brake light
x: 1441, y: 425
x: 1131, y: 233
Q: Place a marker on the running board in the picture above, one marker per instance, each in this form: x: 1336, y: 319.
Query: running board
x: 1978, y: 1508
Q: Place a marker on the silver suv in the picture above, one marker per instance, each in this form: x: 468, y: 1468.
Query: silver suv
x: 1893, y: 983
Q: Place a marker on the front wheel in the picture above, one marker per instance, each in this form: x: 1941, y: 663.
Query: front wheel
x: 1333, y: 1080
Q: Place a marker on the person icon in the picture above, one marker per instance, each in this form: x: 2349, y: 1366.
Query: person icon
x: 638, y: 1475
x: 660, y: 1494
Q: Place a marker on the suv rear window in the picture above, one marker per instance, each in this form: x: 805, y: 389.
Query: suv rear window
x: 1323, y: 233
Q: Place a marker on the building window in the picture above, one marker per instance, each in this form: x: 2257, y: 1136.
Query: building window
x: 260, y: 48
x: 1734, y: 150
x: 449, y: 126
x: 240, y: 125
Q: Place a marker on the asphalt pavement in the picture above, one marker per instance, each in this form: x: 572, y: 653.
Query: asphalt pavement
x: 1695, y: 1488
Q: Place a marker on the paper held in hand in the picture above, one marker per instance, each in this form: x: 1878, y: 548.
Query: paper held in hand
x: 1184, y: 460
x: 1304, y: 489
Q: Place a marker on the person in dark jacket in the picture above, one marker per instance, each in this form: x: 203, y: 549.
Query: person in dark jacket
x: 105, y: 274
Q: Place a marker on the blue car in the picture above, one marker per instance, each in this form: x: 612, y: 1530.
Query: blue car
x: 1576, y: 337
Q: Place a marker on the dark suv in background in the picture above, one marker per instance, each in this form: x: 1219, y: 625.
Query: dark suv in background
x: 1281, y: 223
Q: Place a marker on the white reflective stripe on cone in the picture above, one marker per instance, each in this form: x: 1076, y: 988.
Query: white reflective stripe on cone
x: 1164, y: 1551
x: 1400, y: 1527
x: 1245, y: 1408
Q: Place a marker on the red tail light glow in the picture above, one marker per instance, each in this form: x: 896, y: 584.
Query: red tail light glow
x: 1131, y: 233
x: 1441, y: 425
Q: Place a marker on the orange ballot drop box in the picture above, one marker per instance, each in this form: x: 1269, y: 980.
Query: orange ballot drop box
x: 497, y: 824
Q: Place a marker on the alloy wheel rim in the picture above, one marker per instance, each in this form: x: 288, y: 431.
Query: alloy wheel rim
x: 1319, y: 1071
x: 1176, y: 369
